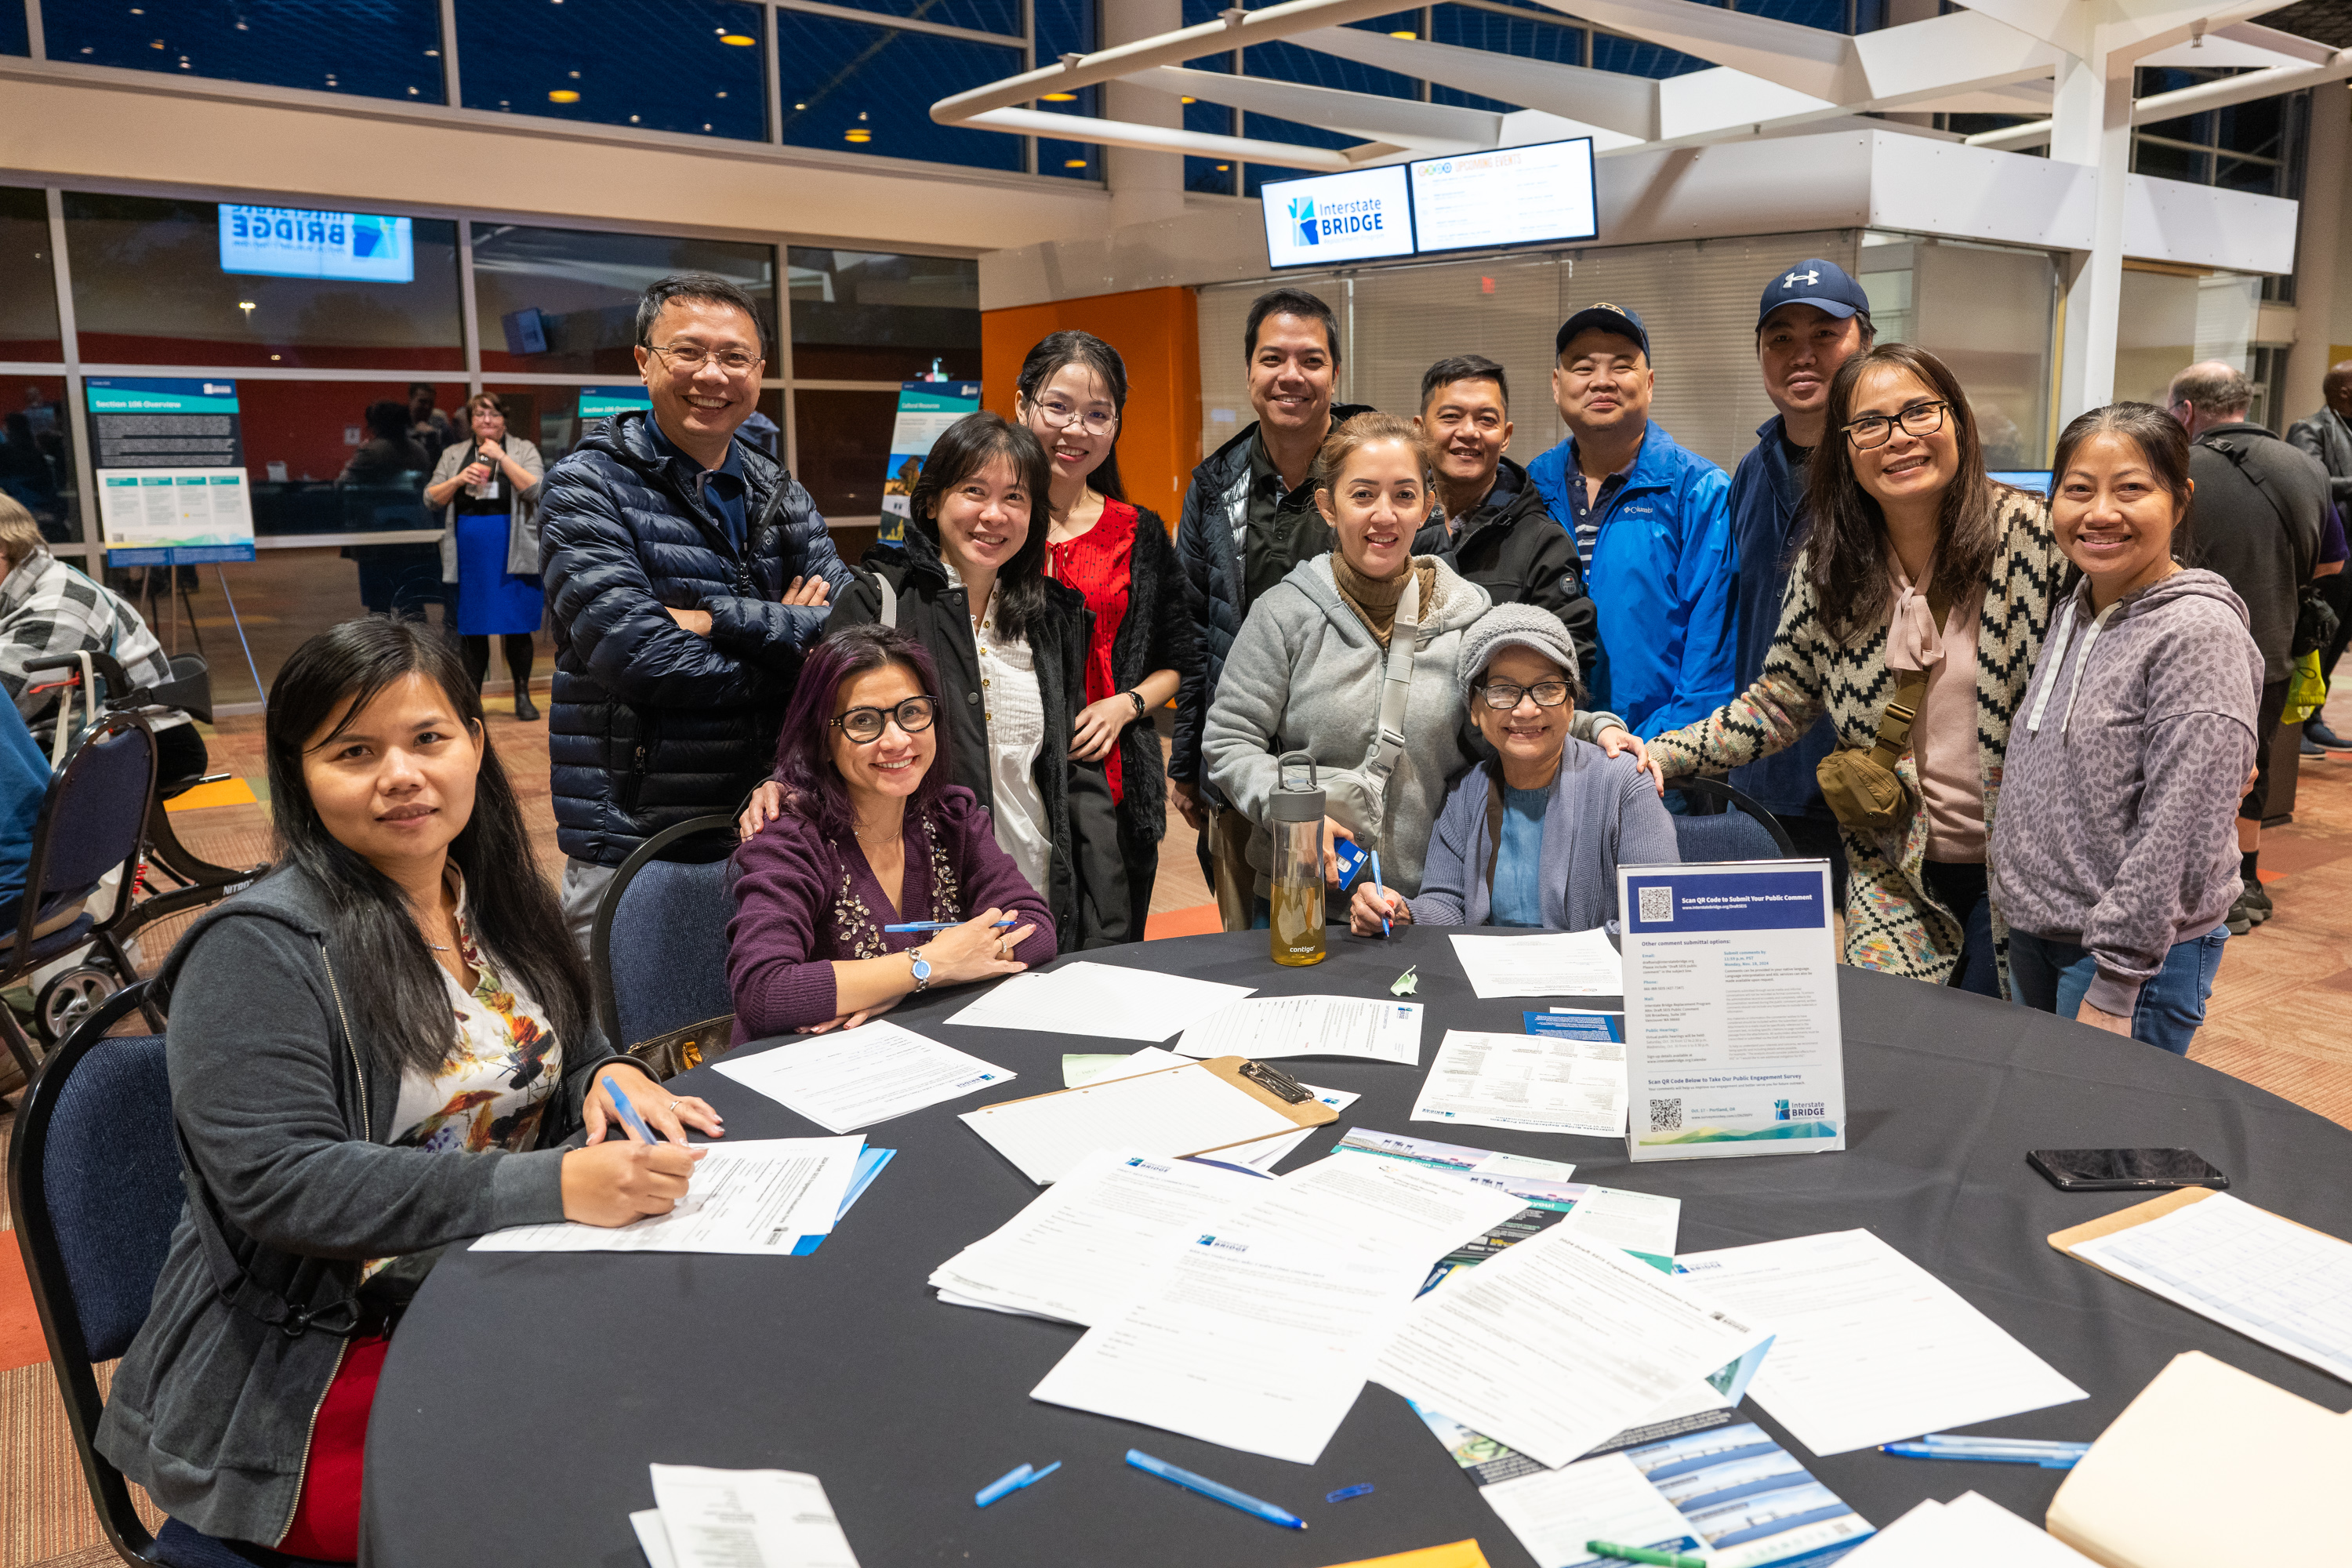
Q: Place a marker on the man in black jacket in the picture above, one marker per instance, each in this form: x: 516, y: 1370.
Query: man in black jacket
x: 1249, y: 517
x: 1491, y: 526
x: 2327, y: 435
x: 685, y: 572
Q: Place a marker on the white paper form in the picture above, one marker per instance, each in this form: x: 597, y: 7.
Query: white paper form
x: 1637, y: 1222
x: 1270, y: 1027
x: 2246, y: 1268
x: 1088, y: 1243
x: 1557, y: 964
x: 747, y: 1519
x: 1606, y: 1217
x: 1261, y: 1155
x: 1967, y: 1532
x: 759, y: 1197
x: 1872, y: 1348
x: 1102, y: 1001
x: 861, y: 1075
x: 1532, y: 1082
x: 1184, y: 1111
x: 1487, y: 1346
x: 1555, y: 1512
x: 1259, y: 1342
x: 1376, y: 1206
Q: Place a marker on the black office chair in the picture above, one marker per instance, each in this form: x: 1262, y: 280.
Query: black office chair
x: 94, y: 1188
x: 662, y: 992
x: 1744, y: 832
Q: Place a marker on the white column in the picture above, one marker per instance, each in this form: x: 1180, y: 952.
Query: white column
x: 1145, y: 187
x: 2319, y: 254
x: 2091, y: 125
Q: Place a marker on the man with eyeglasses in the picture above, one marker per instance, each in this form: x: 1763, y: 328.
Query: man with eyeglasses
x: 686, y: 571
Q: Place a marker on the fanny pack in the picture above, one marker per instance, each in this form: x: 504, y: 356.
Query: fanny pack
x: 1859, y: 782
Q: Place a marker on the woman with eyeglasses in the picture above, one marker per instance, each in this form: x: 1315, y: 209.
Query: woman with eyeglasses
x: 1535, y: 837
x: 870, y: 835
x: 1922, y: 575
x: 1071, y: 394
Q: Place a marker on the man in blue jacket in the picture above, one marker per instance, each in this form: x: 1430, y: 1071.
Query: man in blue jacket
x: 1651, y: 524
x: 685, y: 572
x: 1812, y: 319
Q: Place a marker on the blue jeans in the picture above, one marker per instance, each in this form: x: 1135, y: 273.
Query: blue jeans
x: 2053, y: 975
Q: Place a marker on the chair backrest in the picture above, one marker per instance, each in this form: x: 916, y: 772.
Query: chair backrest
x: 1746, y: 832
x: 96, y: 813
x: 658, y: 951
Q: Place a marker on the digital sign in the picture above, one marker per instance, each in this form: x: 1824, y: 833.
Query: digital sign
x: 293, y: 242
x: 1507, y: 195
x: 1330, y: 218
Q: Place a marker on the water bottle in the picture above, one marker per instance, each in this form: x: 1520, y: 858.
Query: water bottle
x: 1296, y: 817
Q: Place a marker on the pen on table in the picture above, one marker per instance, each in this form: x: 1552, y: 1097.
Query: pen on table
x: 1016, y: 1480
x: 2048, y: 1455
x: 629, y: 1116
x: 1383, y: 892
x: 942, y: 925
x: 1643, y: 1554
x: 1209, y: 1488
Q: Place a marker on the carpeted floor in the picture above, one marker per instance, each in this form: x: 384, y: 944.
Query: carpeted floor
x: 2278, y: 1018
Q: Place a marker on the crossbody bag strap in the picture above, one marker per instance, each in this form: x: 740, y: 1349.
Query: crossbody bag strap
x: 1396, y: 687
x: 1902, y: 710
x: 2304, y: 568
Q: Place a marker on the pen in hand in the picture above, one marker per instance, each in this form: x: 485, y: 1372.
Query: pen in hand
x: 629, y: 1117
x: 1382, y: 892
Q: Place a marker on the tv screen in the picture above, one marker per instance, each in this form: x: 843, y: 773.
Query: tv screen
x: 1509, y: 195
x: 1327, y: 219
x: 292, y: 242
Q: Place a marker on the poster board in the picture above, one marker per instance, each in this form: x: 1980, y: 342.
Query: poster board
x: 171, y: 476
x: 925, y: 408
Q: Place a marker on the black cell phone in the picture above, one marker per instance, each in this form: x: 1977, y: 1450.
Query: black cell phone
x: 2124, y: 1169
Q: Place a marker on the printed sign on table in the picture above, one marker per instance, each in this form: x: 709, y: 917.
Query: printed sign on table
x: 171, y: 471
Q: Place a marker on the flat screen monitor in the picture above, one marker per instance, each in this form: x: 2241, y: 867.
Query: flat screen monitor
x: 1327, y: 219
x: 294, y: 242
x: 1503, y: 196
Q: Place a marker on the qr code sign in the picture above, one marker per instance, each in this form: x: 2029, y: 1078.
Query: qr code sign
x: 1666, y: 1115
x: 1658, y: 904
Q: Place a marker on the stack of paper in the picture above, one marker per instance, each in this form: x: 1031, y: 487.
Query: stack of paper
x: 1101, y: 1000
x: 740, y: 1519
x: 1270, y: 1027
x: 1967, y: 1532
x: 1573, y: 963
x: 764, y: 1197
x: 1183, y: 1110
x: 1263, y: 1155
x: 859, y: 1077
x: 1872, y: 1348
x: 1528, y: 1083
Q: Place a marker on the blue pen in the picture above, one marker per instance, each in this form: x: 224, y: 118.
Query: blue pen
x: 2017, y: 1444
x: 941, y: 925
x: 1017, y: 1479
x: 2047, y: 1459
x: 1383, y: 892
x: 629, y: 1116
x: 1209, y: 1488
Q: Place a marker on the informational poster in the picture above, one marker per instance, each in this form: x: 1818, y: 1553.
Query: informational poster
x: 925, y: 408
x: 171, y: 471
x: 1732, y: 1041
x: 1327, y: 218
x: 295, y: 242
x: 1503, y: 196
x: 604, y: 402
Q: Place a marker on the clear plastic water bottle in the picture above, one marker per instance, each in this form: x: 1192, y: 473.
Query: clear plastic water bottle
x: 1296, y: 817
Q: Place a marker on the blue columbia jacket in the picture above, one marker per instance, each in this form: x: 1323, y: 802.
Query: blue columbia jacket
x: 1768, y: 496
x: 1661, y: 579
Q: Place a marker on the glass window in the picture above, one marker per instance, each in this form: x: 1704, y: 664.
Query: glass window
x: 694, y: 66
x: 862, y: 316
x: 375, y: 48
x: 557, y: 299
x: 1212, y: 175
x: 1635, y: 58
x: 980, y: 15
x: 124, y: 248
x: 848, y: 86
x: 15, y: 36
x: 1828, y: 14
x: 28, y: 278
x: 1067, y: 28
x: 1528, y: 38
x: 36, y: 461
x: 1290, y: 62
x: 844, y: 447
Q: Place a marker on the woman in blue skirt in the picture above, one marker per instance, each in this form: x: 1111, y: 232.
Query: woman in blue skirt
x: 487, y: 489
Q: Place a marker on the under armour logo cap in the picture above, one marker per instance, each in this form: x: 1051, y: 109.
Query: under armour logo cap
x: 1821, y: 284
x: 1603, y: 317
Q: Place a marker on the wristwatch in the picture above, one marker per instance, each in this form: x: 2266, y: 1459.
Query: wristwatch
x: 1137, y: 697
x: 922, y: 969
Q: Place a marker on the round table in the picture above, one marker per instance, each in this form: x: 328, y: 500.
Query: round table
x: 524, y: 1394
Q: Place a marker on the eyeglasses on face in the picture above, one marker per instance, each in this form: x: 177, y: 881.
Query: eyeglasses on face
x: 863, y: 725
x: 1503, y: 695
x: 1053, y: 411
x: 694, y: 356
x: 1873, y: 430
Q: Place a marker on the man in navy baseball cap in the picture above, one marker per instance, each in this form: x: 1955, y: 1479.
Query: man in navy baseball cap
x: 1823, y: 285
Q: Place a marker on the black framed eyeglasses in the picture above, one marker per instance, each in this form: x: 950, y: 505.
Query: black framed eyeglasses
x: 1503, y: 695
x: 863, y: 725
x: 1875, y: 429
x: 692, y: 357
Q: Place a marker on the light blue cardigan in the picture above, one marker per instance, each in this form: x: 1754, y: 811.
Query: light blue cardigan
x: 1604, y: 812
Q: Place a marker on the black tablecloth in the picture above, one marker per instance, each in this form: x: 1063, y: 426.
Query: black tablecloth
x: 524, y: 1394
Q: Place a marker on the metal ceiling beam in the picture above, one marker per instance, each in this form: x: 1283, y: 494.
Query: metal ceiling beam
x: 2163, y: 106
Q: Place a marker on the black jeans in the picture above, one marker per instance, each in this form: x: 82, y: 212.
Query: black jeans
x: 1959, y: 887
x: 519, y: 654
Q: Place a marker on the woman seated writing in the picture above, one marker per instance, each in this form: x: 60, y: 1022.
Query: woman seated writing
x: 870, y: 833
x: 1535, y: 838
x: 375, y: 1052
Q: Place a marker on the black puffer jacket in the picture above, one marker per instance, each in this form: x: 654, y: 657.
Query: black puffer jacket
x: 1209, y: 547
x: 653, y: 724
x: 1510, y: 546
x: 1087, y: 897
x: 1158, y: 633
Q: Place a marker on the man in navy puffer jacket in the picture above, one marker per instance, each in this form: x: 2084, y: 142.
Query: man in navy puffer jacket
x: 685, y: 572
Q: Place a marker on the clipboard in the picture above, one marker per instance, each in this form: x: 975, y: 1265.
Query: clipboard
x: 2066, y: 1240
x: 1268, y: 1088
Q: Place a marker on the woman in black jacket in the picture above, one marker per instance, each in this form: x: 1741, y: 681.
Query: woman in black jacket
x: 969, y: 582
x: 1071, y: 394
x: 375, y: 1052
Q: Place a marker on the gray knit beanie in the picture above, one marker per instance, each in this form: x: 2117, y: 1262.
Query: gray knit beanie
x: 1505, y: 625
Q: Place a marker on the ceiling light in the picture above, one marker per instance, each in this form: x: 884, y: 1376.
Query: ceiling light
x: 563, y: 95
x: 1188, y: 100
x: 1073, y: 162
x: 633, y: 119
x: 741, y: 40
x: 575, y: 76
x: 433, y: 54
x: 1061, y: 98
x: 857, y: 136
x: 1407, y: 34
x: 1223, y: 167
x: 722, y: 92
x: 156, y: 45
x: 706, y: 125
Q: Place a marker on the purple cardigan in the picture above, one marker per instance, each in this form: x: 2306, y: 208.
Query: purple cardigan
x: 803, y: 901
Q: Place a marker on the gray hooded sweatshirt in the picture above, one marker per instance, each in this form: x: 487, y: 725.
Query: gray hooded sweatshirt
x: 2119, y: 797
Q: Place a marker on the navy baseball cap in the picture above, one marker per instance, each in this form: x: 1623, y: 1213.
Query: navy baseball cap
x: 1604, y: 318
x: 1821, y: 284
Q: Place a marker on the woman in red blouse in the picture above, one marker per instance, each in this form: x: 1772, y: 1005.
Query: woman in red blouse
x: 1072, y: 391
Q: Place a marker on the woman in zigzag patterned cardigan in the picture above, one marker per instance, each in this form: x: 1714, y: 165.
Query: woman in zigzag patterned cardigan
x: 1898, y: 495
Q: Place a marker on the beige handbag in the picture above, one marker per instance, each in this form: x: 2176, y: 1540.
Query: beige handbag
x: 1860, y: 783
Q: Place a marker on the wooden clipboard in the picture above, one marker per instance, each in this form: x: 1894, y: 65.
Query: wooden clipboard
x: 2065, y: 1241
x: 1269, y: 1085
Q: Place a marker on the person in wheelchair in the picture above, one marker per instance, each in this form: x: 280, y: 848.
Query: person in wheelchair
x: 48, y: 607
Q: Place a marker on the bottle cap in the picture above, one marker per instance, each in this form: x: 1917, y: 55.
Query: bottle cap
x: 1297, y: 802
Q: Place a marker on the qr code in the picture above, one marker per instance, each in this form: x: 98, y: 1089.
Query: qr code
x: 1666, y: 1115
x: 1658, y: 904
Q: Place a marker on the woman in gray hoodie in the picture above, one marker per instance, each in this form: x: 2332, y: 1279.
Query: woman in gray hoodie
x: 2114, y: 858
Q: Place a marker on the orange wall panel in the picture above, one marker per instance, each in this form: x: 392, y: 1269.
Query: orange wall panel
x: 1157, y: 332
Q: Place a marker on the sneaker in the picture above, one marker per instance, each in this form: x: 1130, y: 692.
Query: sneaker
x: 2256, y: 902
x: 2312, y: 748
x: 2315, y: 729
x: 2238, y: 921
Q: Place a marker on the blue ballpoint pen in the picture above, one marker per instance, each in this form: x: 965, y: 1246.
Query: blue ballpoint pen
x: 1209, y: 1488
x: 629, y: 1116
x: 2047, y: 1459
x: 1382, y: 892
x: 941, y: 925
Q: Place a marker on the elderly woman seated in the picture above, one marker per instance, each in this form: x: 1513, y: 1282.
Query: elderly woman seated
x: 1534, y: 837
